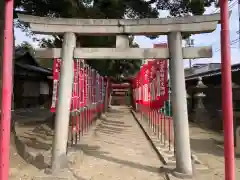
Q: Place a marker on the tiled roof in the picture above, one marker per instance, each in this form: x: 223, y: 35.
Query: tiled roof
x: 35, y: 69
x: 31, y: 64
x: 215, y: 72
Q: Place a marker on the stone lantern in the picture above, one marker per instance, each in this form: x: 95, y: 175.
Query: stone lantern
x: 200, y: 112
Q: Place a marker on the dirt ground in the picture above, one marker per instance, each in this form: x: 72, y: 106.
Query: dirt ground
x: 33, y: 135
x: 19, y: 168
x: 208, y: 146
x: 117, y: 149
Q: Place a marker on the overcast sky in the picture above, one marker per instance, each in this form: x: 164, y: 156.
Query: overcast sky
x: 212, y: 39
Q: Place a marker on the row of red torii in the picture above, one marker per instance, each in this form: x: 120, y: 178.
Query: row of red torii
x: 172, y: 27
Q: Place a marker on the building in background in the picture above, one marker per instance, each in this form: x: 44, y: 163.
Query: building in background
x: 203, y: 85
x: 28, y: 79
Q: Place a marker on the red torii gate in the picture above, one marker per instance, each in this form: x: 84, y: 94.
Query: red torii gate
x: 7, y: 91
x: 120, y: 88
x: 7, y: 84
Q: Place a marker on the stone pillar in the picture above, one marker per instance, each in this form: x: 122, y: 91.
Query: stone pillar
x: 106, y: 96
x: 179, y: 105
x: 122, y: 41
x: 59, y: 159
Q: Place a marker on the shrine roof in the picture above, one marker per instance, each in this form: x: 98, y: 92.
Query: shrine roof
x: 26, y: 62
x: 210, y: 73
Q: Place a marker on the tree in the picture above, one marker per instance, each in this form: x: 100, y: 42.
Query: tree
x: 26, y: 46
x: 107, y: 9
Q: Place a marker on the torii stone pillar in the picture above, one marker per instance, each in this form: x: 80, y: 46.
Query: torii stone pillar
x: 59, y: 159
x: 122, y: 41
x: 106, y: 104
x: 179, y: 105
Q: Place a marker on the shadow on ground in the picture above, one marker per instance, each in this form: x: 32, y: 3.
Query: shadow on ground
x: 206, y: 146
x: 111, y: 126
x: 95, y: 151
x: 207, y: 142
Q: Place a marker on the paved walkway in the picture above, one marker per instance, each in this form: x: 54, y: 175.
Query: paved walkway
x: 118, y: 150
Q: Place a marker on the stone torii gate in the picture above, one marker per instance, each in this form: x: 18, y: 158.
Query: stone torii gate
x: 173, y: 27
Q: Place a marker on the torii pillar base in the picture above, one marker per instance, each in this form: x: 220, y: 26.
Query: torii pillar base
x: 63, y: 174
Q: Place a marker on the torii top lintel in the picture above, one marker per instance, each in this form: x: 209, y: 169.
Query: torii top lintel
x: 161, y: 26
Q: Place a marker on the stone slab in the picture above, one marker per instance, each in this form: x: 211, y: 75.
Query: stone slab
x: 126, y: 53
x: 114, y: 22
x: 191, y: 24
x: 204, y: 27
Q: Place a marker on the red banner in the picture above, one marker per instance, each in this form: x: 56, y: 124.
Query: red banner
x: 150, y: 85
x: 145, y: 85
x: 138, y: 89
x: 75, y: 88
x: 56, y: 75
x: 78, y: 84
x: 159, y: 83
x: 81, y: 84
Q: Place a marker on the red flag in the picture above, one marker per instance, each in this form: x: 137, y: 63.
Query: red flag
x: 145, y: 91
x: 86, y: 84
x: 159, y: 77
x: 138, y: 91
x: 74, y: 89
x: 56, y: 74
x: 159, y: 83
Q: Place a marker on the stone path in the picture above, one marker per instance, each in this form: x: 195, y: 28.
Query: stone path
x: 118, y: 150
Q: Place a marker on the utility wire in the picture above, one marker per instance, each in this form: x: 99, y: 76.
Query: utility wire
x: 235, y: 41
x: 230, y: 6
